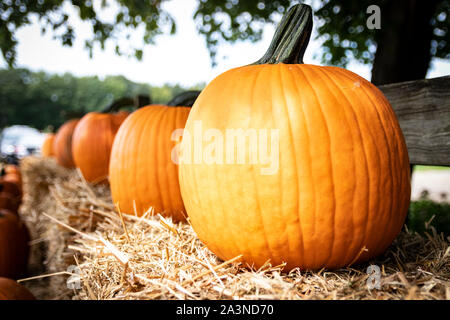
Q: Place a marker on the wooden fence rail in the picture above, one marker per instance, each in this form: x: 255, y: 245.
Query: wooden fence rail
x: 423, y: 110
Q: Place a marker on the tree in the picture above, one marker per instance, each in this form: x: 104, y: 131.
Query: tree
x: 412, y: 31
x: 39, y: 99
x: 54, y: 15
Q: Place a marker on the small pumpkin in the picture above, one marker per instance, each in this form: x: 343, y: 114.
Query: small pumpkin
x: 62, y: 144
x: 141, y: 171
x: 11, y: 174
x: 339, y: 190
x: 11, y: 169
x: 9, y: 202
x: 10, y: 188
x: 47, y: 146
x: 93, y: 138
x: 12, y: 290
x: 92, y: 141
x: 14, y: 247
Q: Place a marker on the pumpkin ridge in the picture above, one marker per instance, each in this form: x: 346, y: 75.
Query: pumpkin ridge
x: 164, y: 161
x: 158, y: 119
x: 111, y: 131
x: 329, y: 157
x: 158, y: 146
x: 167, y: 158
x: 349, y: 246
x: 372, y: 140
x: 112, y: 162
x: 345, y: 111
x: 401, y: 148
x: 301, y: 111
x: 241, y: 248
x: 257, y: 195
x: 363, y: 142
x: 282, y: 70
x: 310, y: 157
x: 175, y: 183
x: 387, y: 143
x: 319, y: 73
x: 227, y: 220
x: 404, y: 160
x: 393, y: 178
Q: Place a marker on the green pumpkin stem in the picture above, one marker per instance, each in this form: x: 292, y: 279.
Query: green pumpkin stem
x: 184, y: 99
x: 139, y: 101
x: 291, y: 37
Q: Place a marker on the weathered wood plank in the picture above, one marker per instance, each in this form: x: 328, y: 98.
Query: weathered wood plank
x: 423, y: 110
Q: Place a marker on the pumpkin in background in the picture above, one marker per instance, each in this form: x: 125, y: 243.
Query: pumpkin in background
x: 14, y: 248
x: 141, y: 171
x: 12, y: 290
x: 92, y: 141
x: 9, y: 202
x: 62, y: 144
x: 93, y: 137
x: 10, y: 188
x: 338, y: 188
x: 11, y: 169
x: 47, y: 146
x: 11, y: 173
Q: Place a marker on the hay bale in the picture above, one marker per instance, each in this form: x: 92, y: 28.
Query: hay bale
x: 122, y: 256
x: 39, y: 176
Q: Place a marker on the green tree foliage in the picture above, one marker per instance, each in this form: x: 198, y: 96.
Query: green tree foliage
x: 341, y: 24
x: 39, y: 99
x: 54, y: 15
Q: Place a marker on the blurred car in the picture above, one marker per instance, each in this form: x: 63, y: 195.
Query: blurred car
x: 20, y: 141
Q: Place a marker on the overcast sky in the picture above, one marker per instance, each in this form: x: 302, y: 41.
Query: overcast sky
x: 182, y: 58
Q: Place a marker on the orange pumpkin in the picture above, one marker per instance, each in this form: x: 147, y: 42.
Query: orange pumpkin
x: 9, y: 202
x: 14, y: 248
x: 92, y: 141
x: 12, y: 169
x: 62, y: 144
x: 337, y: 188
x: 141, y: 172
x: 10, y: 188
x: 11, y: 290
x: 47, y: 146
x: 11, y: 174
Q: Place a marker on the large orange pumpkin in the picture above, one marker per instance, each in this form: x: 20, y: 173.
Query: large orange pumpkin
x: 141, y: 171
x: 11, y: 290
x: 47, y: 146
x: 14, y: 248
x: 337, y: 188
x: 92, y: 141
x: 62, y: 145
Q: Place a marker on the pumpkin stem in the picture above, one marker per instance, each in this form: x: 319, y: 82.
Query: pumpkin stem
x: 291, y: 37
x: 139, y: 101
x: 184, y: 99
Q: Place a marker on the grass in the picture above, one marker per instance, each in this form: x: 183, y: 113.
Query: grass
x: 425, y: 213
x: 430, y: 168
